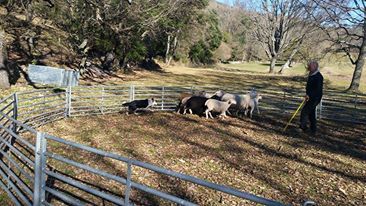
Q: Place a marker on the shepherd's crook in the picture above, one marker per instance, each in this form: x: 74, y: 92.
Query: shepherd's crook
x: 293, y: 116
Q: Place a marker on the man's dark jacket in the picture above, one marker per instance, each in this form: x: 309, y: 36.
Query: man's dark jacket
x: 314, y: 87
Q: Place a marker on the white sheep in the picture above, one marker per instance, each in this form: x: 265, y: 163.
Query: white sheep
x: 218, y: 106
x: 223, y: 96
x: 226, y: 96
x: 244, y: 100
x: 252, y: 104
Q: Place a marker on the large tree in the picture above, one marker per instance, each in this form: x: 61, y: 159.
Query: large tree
x: 344, y: 23
x: 277, y: 24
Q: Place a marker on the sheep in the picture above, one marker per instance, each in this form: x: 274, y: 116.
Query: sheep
x: 215, y: 97
x: 223, y: 96
x: 184, y: 97
x: 182, y: 103
x: 252, y: 104
x: 219, y: 93
x: 217, y: 106
x: 244, y: 100
x: 202, y: 94
x: 195, y: 104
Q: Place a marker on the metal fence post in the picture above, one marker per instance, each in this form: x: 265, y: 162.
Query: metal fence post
x: 128, y: 183
x: 39, y: 166
x: 162, y: 98
x: 133, y: 92
x: 130, y: 93
x: 15, y: 111
x: 284, y: 101
x: 320, y: 108
x: 43, y: 168
x: 356, y: 101
x: 68, y: 102
x: 102, y: 102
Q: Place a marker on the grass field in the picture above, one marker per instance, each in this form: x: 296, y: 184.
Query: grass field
x: 244, y: 75
x: 241, y: 76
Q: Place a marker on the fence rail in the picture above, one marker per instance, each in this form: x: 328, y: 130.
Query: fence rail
x: 109, y: 99
x: 42, y: 140
x: 26, y: 157
x: 16, y: 152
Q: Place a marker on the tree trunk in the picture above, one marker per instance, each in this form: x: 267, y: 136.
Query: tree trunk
x: 289, y: 60
x: 167, y: 50
x: 273, y: 64
x: 30, y: 42
x: 243, y: 58
x: 29, y: 12
x: 4, y: 74
x: 175, y: 43
x: 355, y: 84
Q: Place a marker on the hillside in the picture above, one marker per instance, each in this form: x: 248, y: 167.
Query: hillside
x: 44, y: 42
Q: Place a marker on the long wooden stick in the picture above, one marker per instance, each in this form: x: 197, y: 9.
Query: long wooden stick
x: 293, y: 116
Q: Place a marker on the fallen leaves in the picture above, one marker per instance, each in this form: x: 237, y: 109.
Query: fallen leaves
x: 238, y: 153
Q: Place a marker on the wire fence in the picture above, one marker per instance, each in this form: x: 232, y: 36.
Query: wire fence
x: 30, y: 159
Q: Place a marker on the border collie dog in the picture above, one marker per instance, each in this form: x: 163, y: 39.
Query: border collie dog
x: 139, y: 104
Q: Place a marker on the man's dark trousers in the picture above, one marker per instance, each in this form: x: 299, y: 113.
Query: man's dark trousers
x: 308, y: 112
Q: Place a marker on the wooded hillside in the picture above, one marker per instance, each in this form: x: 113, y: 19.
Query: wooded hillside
x: 99, y: 38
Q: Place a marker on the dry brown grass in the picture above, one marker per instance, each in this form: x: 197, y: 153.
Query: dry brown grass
x: 250, y: 155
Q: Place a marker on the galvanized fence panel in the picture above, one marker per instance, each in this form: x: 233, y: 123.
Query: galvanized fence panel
x: 166, y: 97
x: 16, y: 154
x: 47, y: 105
x: 41, y: 107
x: 97, y: 100
x: 126, y: 181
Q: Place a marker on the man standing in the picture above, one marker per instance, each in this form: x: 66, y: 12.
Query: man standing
x: 314, y: 93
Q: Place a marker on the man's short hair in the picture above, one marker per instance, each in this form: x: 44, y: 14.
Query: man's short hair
x: 313, y: 63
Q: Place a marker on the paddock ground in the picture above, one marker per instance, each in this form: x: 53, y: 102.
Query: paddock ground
x: 252, y: 155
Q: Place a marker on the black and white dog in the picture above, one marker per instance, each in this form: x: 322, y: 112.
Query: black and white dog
x: 139, y: 104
